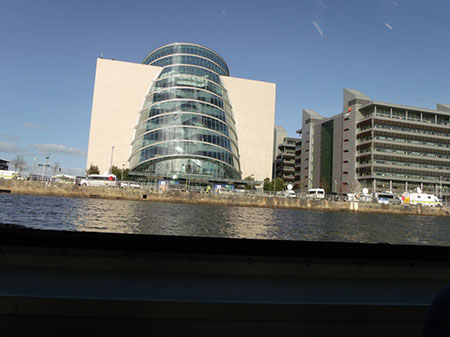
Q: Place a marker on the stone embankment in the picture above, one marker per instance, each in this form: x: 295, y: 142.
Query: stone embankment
x: 64, y: 190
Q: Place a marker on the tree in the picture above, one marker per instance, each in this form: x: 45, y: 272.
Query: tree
x: 118, y: 173
x: 93, y: 169
x: 19, y: 163
x: 268, y: 185
x: 325, y: 185
x: 249, y: 186
x: 279, y: 184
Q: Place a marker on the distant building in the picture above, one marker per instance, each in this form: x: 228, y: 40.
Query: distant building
x: 4, y: 165
x: 179, y: 113
x: 285, y: 161
x: 298, y: 161
x: 376, y: 145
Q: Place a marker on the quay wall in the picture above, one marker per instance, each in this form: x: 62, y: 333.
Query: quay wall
x: 75, y: 191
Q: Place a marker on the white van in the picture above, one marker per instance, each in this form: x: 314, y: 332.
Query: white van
x: 316, y: 194
x: 423, y: 199
x: 99, y: 180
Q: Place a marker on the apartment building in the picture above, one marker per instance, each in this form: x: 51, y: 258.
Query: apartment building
x: 285, y: 161
x: 376, y: 145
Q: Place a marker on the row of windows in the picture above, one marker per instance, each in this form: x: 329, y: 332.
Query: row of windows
x: 187, y: 59
x: 410, y: 116
x: 401, y: 114
x: 184, y: 149
x: 186, y: 49
x: 188, y: 81
x: 406, y: 164
x: 404, y: 175
x: 403, y: 140
x: 190, y: 70
x: 405, y: 129
x: 182, y: 166
x: 187, y: 93
x: 184, y: 133
x: 408, y: 153
x: 188, y: 106
x: 185, y: 119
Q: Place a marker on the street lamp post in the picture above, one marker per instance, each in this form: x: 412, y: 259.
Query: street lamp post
x: 34, y: 164
x: 47, y: 157
x: 112, y: 154
x: 440, y: 187
x: 44, y: 167
x: 121, y: 178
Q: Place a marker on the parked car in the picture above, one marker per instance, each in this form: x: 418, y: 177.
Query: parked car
x: 130, y: 184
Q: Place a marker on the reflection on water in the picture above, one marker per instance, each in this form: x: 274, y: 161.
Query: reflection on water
x: 220, y: 221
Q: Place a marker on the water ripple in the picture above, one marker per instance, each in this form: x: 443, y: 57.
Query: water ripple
x: 220, y: 221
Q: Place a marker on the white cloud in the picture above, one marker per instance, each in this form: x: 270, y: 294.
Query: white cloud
x: 30, y: 125
x: 9, y: 147
x: 318, y: 28
x: 58, y: 148
x: 9, y: 137
x: 394, y: 2
x: 387, y: 25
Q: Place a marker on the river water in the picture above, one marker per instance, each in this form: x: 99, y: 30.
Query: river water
x: 136, y: 217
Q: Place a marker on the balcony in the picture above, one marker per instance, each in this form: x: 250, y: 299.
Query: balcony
x: 288, y: 177
x: 410, y: 142
x: 288, y: 169
x: 403, y: 177
x: 408, y: 153
x: 443, y: 124
x: 413, y: 131
x: 445, y: 170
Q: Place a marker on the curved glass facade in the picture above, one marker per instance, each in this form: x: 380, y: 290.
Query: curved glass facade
x: 186, y: 125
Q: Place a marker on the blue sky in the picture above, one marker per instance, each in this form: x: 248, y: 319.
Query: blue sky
x: 391, y: 50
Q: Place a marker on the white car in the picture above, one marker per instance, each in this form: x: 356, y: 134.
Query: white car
x: 289, y: 194
x: 129, y: 184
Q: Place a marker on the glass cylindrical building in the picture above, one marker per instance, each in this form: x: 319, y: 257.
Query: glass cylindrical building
x: 186, y: 124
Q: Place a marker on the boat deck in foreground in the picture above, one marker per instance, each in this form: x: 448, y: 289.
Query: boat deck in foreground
x: 73, y: 283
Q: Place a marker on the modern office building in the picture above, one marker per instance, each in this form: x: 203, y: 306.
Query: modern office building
x: 376, y: 145
x: 179, y: 113
x: 285, y: 160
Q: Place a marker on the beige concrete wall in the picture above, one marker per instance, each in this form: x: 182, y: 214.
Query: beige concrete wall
x: 253, y: 105
x: 119, y: 93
